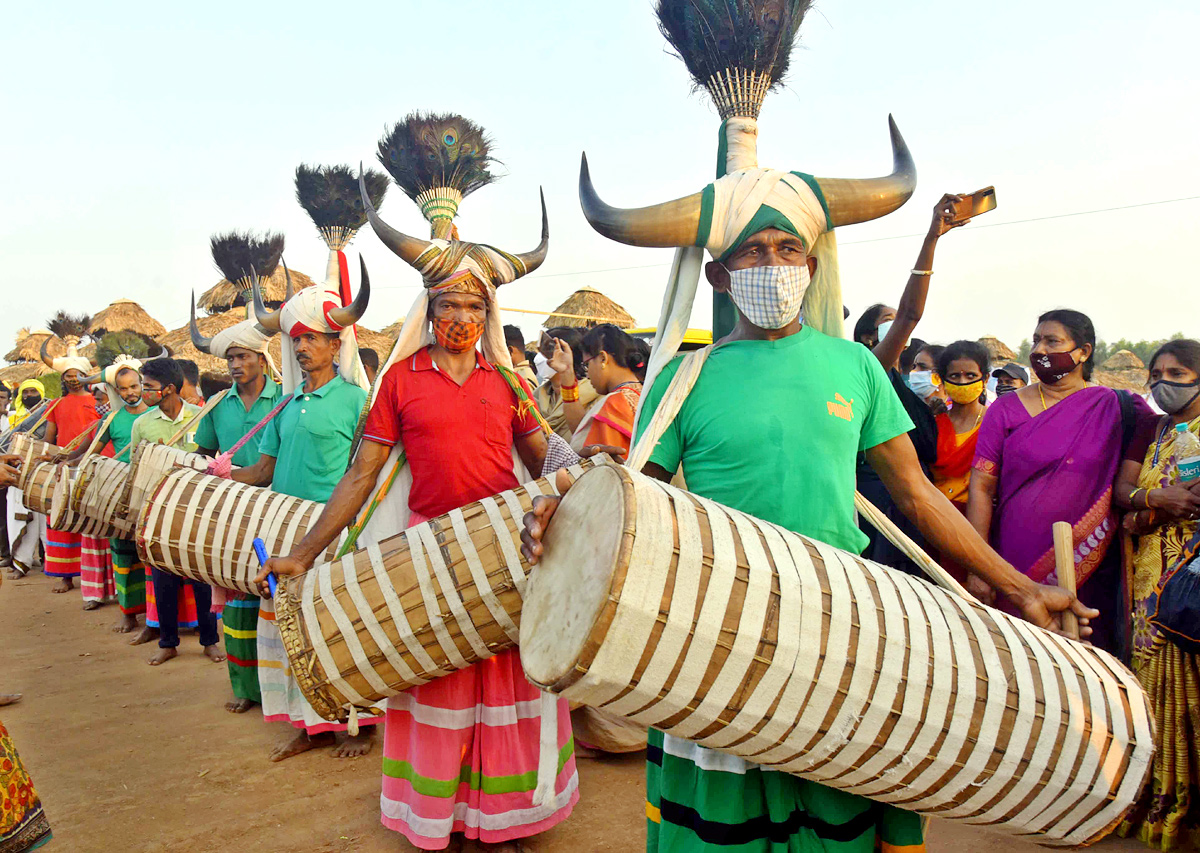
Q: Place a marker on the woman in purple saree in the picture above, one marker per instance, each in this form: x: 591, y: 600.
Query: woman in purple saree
x: 1051, y: 452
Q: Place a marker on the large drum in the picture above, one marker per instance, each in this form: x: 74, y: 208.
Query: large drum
x: 38, y: 490
x: 436, y: 598
x: 62, y: 516
x: 99, y: 486
x: 29, y: 449
x: 203, y: 527
x: 675, y: 612
x: 149, y: 463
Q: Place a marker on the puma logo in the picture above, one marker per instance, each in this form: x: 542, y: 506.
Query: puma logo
x: 843, y: 408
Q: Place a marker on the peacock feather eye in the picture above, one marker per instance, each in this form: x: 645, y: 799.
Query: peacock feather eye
x: 449, y: 138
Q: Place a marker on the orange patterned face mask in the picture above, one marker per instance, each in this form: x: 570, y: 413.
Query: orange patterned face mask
x: 456, y: 335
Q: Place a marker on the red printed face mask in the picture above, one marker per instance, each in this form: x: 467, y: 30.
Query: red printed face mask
x: 455, y: 335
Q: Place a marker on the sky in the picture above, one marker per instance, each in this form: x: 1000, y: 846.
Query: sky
x: 137, y: 130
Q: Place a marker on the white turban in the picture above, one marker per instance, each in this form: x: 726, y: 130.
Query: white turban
x: 308, y: 311
x: 109, y: 373
x: 246, y: 334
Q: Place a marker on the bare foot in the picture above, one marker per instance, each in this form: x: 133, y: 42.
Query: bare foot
x: 162, y: 656
x: 214, y: 653
x: 93, y: 605
x: 144, y: 636
x: 64, y: 585
x: 302, y: 743
x: 9, y: 698
x: 126, y: 625
x: 353, y: 747
x: 239, y: 706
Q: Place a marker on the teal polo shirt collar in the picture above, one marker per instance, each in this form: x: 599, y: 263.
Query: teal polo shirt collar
x: 268, y: 392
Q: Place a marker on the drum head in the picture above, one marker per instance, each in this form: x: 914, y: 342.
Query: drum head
x: 568, y: 590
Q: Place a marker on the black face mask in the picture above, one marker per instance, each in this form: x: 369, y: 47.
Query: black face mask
x: 30, y: 402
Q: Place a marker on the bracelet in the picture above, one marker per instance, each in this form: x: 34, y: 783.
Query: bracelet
x: 1133, y: 498
x: 570, y: 393
x: 922, y: 272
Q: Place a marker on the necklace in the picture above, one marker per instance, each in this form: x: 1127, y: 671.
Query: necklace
x: 1042, y: 395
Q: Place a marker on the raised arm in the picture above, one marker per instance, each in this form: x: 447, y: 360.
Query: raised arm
x: 912, y: 301
x: 347, y: 499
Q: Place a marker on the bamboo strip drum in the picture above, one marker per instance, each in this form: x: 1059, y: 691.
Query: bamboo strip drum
x: 38, y: 492
x: 62, y: 516
x: 203, y: 527
x: 674, y: 612
x: 149, y: 463
x: 29, y: 449
x: 97, y: 496
x: 436, y: 598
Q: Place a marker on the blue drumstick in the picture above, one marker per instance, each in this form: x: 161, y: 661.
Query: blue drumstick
x: 260, y: 549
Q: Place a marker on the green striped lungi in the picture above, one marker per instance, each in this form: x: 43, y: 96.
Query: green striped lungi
x: 240, y: 619
x: 701, y: 799
x: 130, y: 576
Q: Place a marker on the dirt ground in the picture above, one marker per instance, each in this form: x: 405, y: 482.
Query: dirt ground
x: 133, y: 758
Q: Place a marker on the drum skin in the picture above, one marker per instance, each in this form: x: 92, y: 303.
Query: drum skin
x: 675, y: 612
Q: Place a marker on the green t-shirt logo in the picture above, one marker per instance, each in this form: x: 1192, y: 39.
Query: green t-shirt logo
x: 842, y: 408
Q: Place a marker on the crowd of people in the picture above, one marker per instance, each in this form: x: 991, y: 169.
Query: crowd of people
x: 976, y: 463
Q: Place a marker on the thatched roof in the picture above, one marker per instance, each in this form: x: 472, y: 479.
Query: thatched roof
x: 180, y: 341
x: 125, y: 315
x: 16, y: 373
x: 586, y: 308
x: 1123, y: 380
x: 225, y: 295
x: 1123, y: 359
x: 29, y: 346
x: 997, y: 350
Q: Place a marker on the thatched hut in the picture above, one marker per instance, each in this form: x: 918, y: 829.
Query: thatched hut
x: 1123, y: 359
x: 586, y: 308
x: 125, y: 315
x: 29, y: 346
x: 1000, y: 354
x: 225, y: 295
x: 17, y: 373
x: 1123, y: 380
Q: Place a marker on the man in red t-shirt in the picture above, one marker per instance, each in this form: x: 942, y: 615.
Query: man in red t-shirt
x: 68, y: 419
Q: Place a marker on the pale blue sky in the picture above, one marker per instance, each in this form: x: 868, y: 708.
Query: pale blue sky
x: 134, y: 131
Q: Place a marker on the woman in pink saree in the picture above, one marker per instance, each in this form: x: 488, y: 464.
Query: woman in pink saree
x: 1051, y: 452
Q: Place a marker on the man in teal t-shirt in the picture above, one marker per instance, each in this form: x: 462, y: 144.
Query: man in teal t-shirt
x: 251, y: 399
x: 772, y: 427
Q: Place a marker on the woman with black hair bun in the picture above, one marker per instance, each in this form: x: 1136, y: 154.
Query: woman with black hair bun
x: 615, y: 364
x: 963, y: 368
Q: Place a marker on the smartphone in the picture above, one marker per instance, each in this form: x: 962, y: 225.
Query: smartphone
x: 980, y: 201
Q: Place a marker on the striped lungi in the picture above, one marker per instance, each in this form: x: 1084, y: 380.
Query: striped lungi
x: 129, y: 575
x: 95, y: 569
x: 62, y: 553
x: 187, y: 606
x: 282, y: 701
x: 460, y: 754
x: 240, y: 620
x: 697, y: 798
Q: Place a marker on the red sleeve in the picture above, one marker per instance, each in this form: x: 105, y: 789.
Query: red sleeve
x: 524, y: 420
x: 383, y: 421
x: 52, y: 415
x: 1144, y: 431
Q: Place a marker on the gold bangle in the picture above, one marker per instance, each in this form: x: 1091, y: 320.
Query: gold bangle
x: 570, y: 394
x: 1133, y: 497
x: 922, y: 272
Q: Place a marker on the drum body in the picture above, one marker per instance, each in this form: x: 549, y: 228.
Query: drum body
x: 433, y: 599
x: 38, y: 490
x: 149, y: 463
x: 62, y: 516
x: 203, y: 527
x: 29, y: 449
x: 97, y: 497
x: 710, y: 625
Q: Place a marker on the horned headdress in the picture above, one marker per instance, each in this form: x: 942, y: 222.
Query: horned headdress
x: 438, y: 160
x: 248, y: 334
x: 71, y: 361
x: 738, y: 50
x: 123, y: 361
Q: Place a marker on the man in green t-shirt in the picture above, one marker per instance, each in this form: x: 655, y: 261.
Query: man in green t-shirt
x: 772, y: 427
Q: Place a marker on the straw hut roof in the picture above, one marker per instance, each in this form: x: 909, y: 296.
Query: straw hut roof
x: 17, y: 373
x: 29, y: 346
x: 586, y: 308
x: 126, y: 315
x: 381, y: 342
x: 393, y: 331
x: 1122, y: 380
x: 1123, y: 359
x: 997, y: 349
x: 225, y: 295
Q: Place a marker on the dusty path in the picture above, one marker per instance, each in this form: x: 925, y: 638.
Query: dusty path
x: 133, y: 758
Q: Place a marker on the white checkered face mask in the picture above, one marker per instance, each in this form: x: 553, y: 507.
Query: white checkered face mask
x: 769, y: 297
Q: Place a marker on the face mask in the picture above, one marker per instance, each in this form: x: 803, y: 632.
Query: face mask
x: 921, y: 382
x: 992, y: 385
x: 30, y: 402
x: 963, y: 394
x: 456, y: 335
x: 1052, y: 366
x: 1001, y: 390
x: 769, y: 297
x: 1174, y: 397
x: 882, y: 331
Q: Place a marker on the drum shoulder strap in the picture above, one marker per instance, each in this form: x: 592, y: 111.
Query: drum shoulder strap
x: 669, y: 406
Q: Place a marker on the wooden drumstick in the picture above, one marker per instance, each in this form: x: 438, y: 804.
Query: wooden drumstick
x: 1064, y: 565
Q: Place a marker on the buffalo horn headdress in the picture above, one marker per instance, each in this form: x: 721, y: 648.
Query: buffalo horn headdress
x: 108, y: 375
x: 71, y: 361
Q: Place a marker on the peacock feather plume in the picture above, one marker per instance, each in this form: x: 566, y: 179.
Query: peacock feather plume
x: 330, y: 196
x: 239, y: 255
x: 438, y: 160
x: 736, y: 49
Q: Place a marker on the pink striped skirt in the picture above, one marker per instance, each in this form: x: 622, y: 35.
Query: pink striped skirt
x: 460, y: 754
x: 96, y: 578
